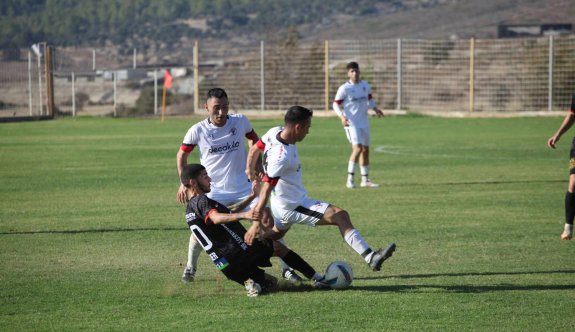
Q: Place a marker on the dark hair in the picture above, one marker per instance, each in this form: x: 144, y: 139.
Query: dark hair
x: 217, y: 93
x: 352, y: 65
x: 190, y: 172
x: 297, y: 114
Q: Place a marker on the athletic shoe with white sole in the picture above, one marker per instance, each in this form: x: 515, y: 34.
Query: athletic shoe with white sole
x: 380, y: 256
x: 291, y: 276
x: 189, y: 274
x: 369, y: 184
x: 350, y: 184
x: 566, y: 235
x: 252, y: 288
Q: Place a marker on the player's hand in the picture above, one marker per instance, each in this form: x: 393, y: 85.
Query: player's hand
x: 552, y: 142
x: 267, y: 219
x: 344, y: 121
x: 252, y: 233
x: 182, y: 194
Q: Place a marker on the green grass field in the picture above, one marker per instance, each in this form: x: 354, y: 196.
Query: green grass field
x: 92, y: 238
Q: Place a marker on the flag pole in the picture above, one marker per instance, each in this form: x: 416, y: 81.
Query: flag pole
x: 163, y: 103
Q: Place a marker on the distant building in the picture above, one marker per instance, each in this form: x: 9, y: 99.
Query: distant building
x: 533, y: 30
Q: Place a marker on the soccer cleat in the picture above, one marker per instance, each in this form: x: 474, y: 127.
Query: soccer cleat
x: 380, y: 256
x: 369, y: 184
x: 566, y: 235
x: 252, y: 288
x: 291, y: 276
x: 189, y: 274
x: 350, y: 184
x: 320, y: 283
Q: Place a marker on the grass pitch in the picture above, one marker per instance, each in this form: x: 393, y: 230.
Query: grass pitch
x: 92, y: 238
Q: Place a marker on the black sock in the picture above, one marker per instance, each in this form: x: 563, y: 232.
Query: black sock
x: 569, y: 208
x: 296, y: 262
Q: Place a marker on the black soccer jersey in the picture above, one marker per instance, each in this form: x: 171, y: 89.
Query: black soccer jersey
x: 224, y: 243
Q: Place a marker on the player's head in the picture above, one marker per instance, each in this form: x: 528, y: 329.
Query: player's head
x: 195, y: 177
x: 217, y: 106
x: 298, y: 120
x: 353, y: 71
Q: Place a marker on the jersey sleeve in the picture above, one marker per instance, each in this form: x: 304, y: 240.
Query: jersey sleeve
x: 337, y: 104
x: 191, y: 139
x: 205, y: 206
x: 370, y: 101
x: 276, y: 163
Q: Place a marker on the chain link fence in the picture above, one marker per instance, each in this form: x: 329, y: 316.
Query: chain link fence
x: 484, y: 75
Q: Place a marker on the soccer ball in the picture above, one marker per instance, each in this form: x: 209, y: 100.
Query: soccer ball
x: 338, y: 275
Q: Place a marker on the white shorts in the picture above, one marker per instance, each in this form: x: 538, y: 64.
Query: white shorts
x: 357, y: 136
x: 228, y: 202
x: 308, y: 213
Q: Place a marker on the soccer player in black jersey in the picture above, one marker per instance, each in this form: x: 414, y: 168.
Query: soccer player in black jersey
x: 570, y: 195
x: 217, y: 229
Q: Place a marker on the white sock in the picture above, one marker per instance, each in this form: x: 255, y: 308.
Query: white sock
x: 194, y: 250
x: 350, y: 170
x: 364, y: 172
x: 569, y: 228
x: 354, y: 239
x: 282, y: 263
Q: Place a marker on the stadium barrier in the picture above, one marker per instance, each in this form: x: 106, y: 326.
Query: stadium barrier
x: 475, y: 75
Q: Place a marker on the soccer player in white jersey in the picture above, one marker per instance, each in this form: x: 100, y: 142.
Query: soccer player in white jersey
x: 220, y: 139
x: 355, y: 97
x: 289, y: 202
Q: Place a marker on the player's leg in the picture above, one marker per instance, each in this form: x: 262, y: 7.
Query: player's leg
x: 569, y: 209
x: 567, y: 233
x: 268, y: 222
x: 194, y: 250
x: 364, y: 137
x: 351, y: 134
x: 294, y: 260
x: 340, y: 218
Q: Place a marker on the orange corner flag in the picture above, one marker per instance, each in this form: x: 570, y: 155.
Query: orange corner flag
x: 167, y: 79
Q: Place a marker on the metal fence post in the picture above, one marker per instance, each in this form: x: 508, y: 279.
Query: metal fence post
x: 398, y: 105
x: 93, y: 59
x: 326, y: 78
x: 73, y: 95
x: 156, y: 91
x: 262, y: 77
x: 115, y: 93
x: 196, y: 77
x: 30, y: 82
x: 550, y: 82
x: 134, y: 59
x: 472, y: 75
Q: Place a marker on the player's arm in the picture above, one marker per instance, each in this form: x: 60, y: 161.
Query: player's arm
x: 181, y: 162
x: 222, y: 218
x: 239, y: 206
x: 337, y: 108
x: 565, y: 125
x: 254, y: 154
x: 253, y: 138
x: 372, y: 104
x: 258, y: 212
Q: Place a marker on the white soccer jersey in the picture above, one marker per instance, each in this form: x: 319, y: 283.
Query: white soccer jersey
x: 282, y: 168
x: 223, y: 154
x: 356, y: 100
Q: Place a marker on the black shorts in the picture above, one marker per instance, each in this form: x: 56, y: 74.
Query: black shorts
x: 249, y: 266
x: 572, y: 158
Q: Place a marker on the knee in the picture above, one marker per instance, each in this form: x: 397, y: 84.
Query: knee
x: 280, y: 250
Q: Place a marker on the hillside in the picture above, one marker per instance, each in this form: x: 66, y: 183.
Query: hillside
x: 463, y: 19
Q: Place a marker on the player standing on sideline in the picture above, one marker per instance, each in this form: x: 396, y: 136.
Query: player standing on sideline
x: 221, y: 235
x: 220, y: 139
x: 570, y: 195
x: 355, y: 96
x: 289, y: 203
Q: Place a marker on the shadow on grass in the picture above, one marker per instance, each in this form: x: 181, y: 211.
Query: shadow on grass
x: 430, y: 288
x: 97, y: 230
x: 465, y: 274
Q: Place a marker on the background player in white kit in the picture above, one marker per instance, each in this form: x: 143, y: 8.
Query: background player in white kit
x: 289, y: 202
x: 220, y: 139
x: 355, y: 97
